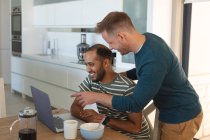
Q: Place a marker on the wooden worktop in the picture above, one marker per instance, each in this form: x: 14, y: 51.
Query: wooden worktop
x: 43, y: 133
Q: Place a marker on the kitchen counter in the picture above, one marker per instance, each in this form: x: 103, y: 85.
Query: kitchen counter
x: 56, y: 59
x: 62, y: 60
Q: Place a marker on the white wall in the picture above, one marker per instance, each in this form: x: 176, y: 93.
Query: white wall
x: 5, y: 40
x: 199, y: 42
x: 199, y: 61
x: 159, y: 18
x: 67, y: 41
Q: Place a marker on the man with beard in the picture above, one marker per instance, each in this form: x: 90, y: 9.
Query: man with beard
x: 103, y: 80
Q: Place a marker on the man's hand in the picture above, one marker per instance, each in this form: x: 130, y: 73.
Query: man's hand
x: 91, y: 115
x: 85, y: 98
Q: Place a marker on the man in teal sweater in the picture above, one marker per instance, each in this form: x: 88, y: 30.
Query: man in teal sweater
x: 160, y: 78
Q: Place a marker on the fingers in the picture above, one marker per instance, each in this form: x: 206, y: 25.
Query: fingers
x: 86, y: 114
x: 91, y: 116
x: 76, y: 94
x: 83, y: 98
x: 80, y: 101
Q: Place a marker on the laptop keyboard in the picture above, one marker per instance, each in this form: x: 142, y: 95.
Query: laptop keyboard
x: 58, y: 122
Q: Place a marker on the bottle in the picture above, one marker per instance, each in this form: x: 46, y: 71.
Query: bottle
x: 82, y: 47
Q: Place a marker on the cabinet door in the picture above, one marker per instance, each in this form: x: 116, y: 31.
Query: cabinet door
x: 41, y: 2
x: 85, y: 13
x: 51, y: 73
x: 75, y: 77
x: 17, y: 82
x: 95, y: 10
x: 44, y: 15
x: 68, y: 13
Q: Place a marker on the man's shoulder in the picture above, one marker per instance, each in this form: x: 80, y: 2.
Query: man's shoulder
x: 126, y: 80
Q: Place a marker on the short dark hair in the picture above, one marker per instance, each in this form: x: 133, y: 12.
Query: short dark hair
x: 114, y: 21
x: 101, y: 50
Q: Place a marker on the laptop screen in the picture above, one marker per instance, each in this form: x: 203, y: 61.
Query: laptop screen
x: 43, y: 107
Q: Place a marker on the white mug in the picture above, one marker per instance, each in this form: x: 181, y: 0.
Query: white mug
x: 70, y: 129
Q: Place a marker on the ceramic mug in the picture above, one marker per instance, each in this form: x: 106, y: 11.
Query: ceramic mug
x: 70, y: 129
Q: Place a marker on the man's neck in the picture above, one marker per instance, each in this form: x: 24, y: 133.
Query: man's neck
x: 138, y: 41
x: 109, y: 77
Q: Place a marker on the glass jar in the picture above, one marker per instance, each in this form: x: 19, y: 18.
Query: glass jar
x: 27, y: 124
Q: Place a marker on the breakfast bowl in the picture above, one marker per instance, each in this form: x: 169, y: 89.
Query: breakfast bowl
x: 91, y: 131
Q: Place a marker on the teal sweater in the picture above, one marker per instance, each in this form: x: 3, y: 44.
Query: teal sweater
x: 161, y: 78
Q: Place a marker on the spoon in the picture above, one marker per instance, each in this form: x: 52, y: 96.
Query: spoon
x: 100, y: 123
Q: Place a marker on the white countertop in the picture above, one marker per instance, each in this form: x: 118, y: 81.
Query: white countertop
x: 61, y: 60
x: 55, y: 59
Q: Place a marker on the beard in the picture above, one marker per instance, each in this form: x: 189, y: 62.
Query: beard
x: 100, y: 75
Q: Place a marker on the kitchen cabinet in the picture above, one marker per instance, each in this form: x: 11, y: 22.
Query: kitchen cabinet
x: 58, y: 81
x: 80, y: 13
x: 44, y: 15
x: 95, y: 10
x: 41, y: 2
x: 68, y: 13
x: 75, y: 76
x: 47, y: 72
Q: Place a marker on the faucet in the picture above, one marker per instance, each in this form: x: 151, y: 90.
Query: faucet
x: 54, y: 50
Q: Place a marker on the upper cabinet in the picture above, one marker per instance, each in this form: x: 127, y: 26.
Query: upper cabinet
x: 68, y: 13
x: 44, y: 15
x: 41, y: 2
x: 95, y: 10
x: 78, y: 13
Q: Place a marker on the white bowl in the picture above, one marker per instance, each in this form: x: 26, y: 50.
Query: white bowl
x: 89, y: 131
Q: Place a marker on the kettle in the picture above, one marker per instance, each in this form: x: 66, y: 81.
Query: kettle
x: 82, y: 47
x: 27, y: 124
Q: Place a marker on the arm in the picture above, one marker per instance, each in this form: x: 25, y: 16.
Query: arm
x: 84, y: 98
x: 132, y: 125
x: 87, y: 115
x: 76, y: 109
x: 151, y: 76
x: 131, y: 74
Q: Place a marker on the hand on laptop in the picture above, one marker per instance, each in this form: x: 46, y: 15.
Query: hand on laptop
x: 60, y: 111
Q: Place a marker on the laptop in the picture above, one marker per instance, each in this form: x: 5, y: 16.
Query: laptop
x: 44, y: 111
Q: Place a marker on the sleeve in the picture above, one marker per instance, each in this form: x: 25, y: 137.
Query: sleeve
x: 151, y: 75
x: 132, y: 74
x: 86, y: 85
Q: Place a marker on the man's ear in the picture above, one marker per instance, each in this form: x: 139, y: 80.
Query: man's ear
x: 121, y: 36
x: 106, y: 62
